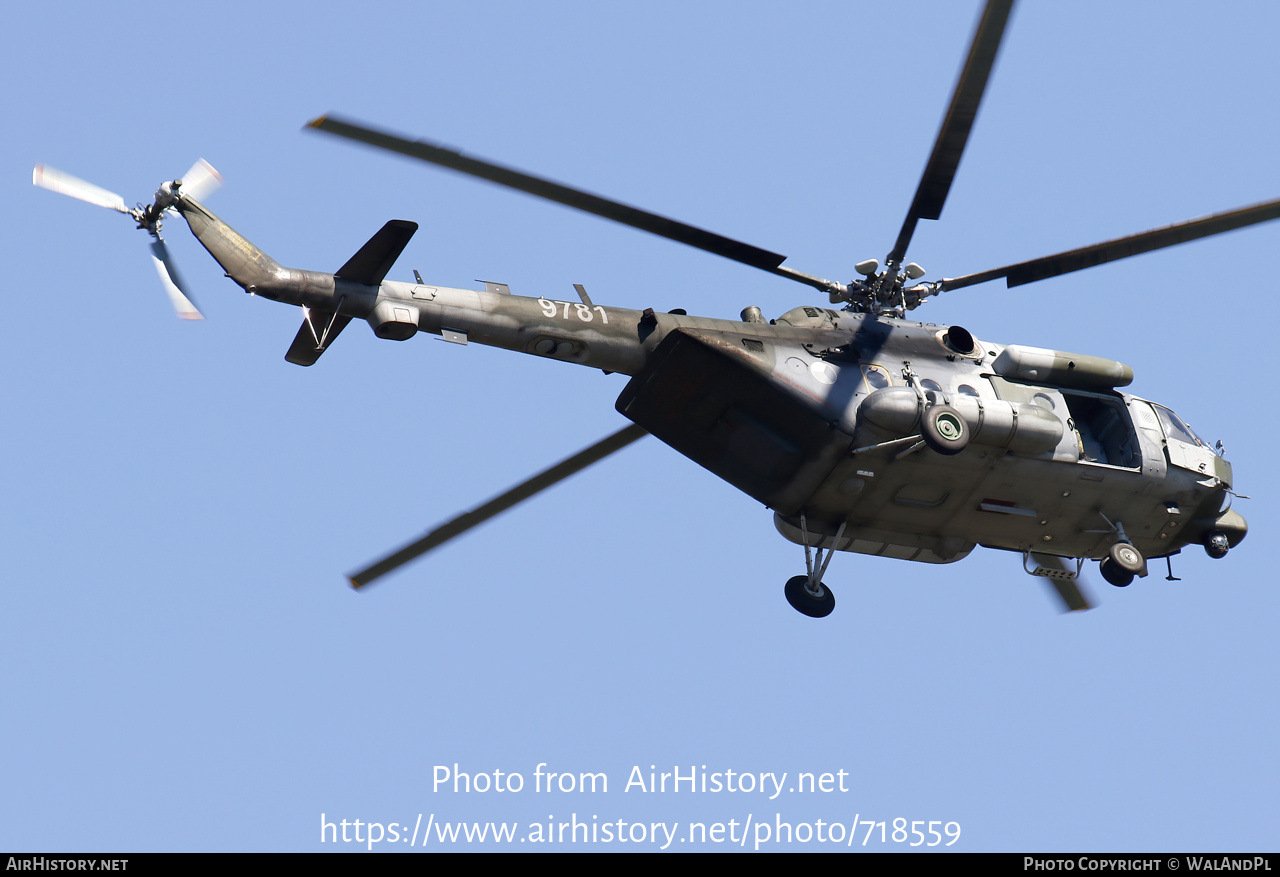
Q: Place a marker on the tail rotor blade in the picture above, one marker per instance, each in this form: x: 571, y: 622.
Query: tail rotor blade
x: 56, y: 181
x: 172, y: 283
x: 201, y: 181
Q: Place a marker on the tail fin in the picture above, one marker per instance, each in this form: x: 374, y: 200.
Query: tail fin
x: 368, y: 266
x: 372, y: 262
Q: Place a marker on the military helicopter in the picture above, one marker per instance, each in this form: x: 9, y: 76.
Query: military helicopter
x: 863, y: 431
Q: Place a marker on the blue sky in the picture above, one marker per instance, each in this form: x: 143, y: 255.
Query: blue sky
x: 185, y: 667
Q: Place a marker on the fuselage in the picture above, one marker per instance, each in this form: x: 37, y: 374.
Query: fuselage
x: 818, y: 414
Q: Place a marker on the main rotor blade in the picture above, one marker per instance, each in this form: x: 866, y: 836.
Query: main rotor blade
x: 172, y: 283
x: 1121, y: 248
x: 571, y: 197
x: 935, y: 183
x: 465, y: 521
x: 56, y: 181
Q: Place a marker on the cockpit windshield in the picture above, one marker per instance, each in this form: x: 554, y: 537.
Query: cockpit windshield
x: 1176, y: 428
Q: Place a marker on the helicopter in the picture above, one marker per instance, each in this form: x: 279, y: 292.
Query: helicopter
x: 862, y: 430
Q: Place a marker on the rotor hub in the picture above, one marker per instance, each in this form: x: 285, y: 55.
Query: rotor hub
x: 886, y: 293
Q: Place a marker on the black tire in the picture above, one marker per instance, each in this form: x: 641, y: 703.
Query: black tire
x: 944, y: 430
x: 1115, y: 574
x: 1128, y: 558
x: 805, y: 603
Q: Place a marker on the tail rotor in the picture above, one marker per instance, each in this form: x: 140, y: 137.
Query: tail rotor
x: 200, y: 182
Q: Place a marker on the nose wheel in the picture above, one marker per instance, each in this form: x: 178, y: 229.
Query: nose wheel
x: 1121, y: 564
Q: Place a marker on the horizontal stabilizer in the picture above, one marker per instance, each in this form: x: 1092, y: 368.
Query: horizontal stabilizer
x: 371, y: 264
x: 314, y: 336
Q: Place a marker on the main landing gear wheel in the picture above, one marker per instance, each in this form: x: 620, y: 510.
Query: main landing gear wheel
x: 806, y: 602
x: 944, y: 430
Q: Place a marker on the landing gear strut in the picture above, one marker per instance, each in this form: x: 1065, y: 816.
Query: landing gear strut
x: 807, y: 594
x: 1123, y: 561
